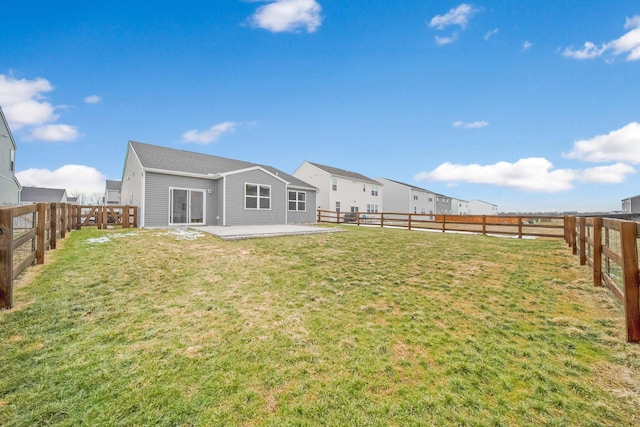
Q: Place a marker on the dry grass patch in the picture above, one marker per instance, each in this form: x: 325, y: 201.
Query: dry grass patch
x: 366, y: 327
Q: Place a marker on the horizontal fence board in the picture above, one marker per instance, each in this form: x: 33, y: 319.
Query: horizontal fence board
x: 24, y: 238
x: 28, y: 261
x: 611, y: 284
x: 612, y: 255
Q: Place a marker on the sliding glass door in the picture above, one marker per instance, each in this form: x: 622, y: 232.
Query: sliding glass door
x: 186, y: 206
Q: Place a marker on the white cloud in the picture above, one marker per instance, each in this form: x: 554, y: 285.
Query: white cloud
x: 471, y: 125
x: 612, y: 174
x: 74, y: 178
x: 210, y: 135
x: 531, y: 174
x: 622, y: 145
x: 526, y: 45
x: 92, y: 99
x: 288, y: 15
x: 440, y: 41
x: 458, y: 16
x: 490, y: 34
x: 54, y: 133
x: 23, y: 103
x: 628, y: 44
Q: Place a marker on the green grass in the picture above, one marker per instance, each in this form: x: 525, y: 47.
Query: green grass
x: 364, y: 327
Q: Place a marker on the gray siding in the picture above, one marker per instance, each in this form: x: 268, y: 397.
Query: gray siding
x: 157, y: 187
x: 9, y: 190
x: 307, y: 217
x: 235, y: 212
x: 131, y: 191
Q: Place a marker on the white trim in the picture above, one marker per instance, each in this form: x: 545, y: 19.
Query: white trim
x: 189, y: 190
x: 224, y: 200
x: 250, y: 169
x: 178, y: 173
x: 143, y: 198
x: 258, y: 208
x: 296, y: 200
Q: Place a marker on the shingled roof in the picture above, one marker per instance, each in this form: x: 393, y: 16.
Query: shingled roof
x: 42, y: 195
x: 345, y: 173
x: 171, y: 159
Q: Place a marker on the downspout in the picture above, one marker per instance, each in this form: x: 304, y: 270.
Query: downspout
x: 143, y: 198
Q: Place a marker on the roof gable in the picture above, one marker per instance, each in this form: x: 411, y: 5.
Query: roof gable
x: 42, y: 195
x: 413, y: 187
x: 344, y: 173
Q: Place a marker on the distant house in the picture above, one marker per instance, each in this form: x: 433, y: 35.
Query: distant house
x: 478, y: 207
x: 406, y: 198
x: 631, y: 205
x: 443, y: 205
x: 176, y: 187
x: 112, y: 192
x: 459, y: 207
x: 9, y: 185
x: 341, y: 190
x: 43, y: 195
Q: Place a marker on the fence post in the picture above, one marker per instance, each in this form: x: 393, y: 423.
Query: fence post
x: 381, y: 219
x: 597, y: 251
x: 6, y: 258
x: 319, y: 215
x: 574, y: 247
x: 484, y: 225
x: 41, y: 227
x: 631, y: 279
x: 519, y: 227
x: 63, y: 220
x: 54, y: 225
x: 78, y: 217
x: 410, y: 221
x: 444, y: 220
x: 582, y: 239
x: 125, y: 216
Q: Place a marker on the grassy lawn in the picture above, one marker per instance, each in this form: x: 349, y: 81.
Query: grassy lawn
x: 364, y: 327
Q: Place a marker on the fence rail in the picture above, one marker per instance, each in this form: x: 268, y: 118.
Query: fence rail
x: 537, y: 226
x: 27, y: 232
x: 610, y: 247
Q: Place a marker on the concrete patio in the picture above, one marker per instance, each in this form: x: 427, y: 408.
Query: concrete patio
x: 236, y: 232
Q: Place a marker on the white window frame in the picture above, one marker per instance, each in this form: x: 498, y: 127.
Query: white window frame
x: 189, y: 191
x: 374, y: 190
x: 297, y: 201
x: 258, y: 197
x: 334, y: 184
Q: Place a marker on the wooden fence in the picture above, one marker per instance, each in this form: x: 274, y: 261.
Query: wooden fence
x: 538, y: 226
x: 610, y: 247
x: 27, y: 232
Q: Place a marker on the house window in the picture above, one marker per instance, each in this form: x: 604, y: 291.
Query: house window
x: 431, y: 199
x: 374, y: 190
x: 337, y: 206
x: 334, y: 184
x: 12, y: 163
x: 297, y: 201
x: 354, y: 209
x: 364, y: 188
x: 415, y: 197
x: 372, y: 208
x: 257, y: 196
x: 186, y: 206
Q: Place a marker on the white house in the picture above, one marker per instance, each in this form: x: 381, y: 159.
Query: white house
x: 478, y: 207
x: 631, y: 205
x: 112, y: 192
x: 459, y: 207
x: 341, y: 190
x: 406, y: 198
x: 9, y: 185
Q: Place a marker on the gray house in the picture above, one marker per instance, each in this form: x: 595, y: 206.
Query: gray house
x: 9, y: 185
x: 176, y: 187
x: 43, y: 195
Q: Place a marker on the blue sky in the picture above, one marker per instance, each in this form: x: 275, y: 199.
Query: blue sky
x: 531, y: 105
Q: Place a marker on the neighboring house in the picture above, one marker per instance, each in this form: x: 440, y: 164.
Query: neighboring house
x: 43, y: 195
x: 9, y: 185
x: 176, y: 187
x: 459, y: 207
x: 631, y: 205
x: 478, y: 207
x: 443, y: 205
x: 406, y: 198
x: 112, y: 192
x: 341, y: 190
